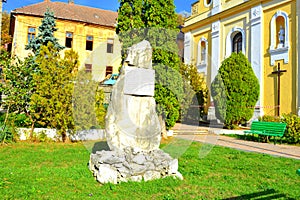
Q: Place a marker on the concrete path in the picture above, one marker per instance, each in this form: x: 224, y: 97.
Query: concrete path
x: 212, y: 136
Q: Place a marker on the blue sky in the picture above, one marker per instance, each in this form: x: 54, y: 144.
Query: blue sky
x: 181, y: 5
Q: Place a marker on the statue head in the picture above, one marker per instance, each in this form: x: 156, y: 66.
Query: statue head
x: 140, y: 55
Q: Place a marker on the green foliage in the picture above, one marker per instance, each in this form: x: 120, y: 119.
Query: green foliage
x: 18, y: 85
x: 52, y: 101
x: 19, y: 120
x: 5, y: 36
x: 269, y: 118
x: 156, y: 22
x: 100, y: 108
x: 84, y: 102
x: 292, y: 132
x: 40, y: 137
x: 130, y: 15
x: 167, y: 105
x: 160, y: 13
x: 7, y: 133
x: 196, y: 93
x: 45, y: 35
x: 235, y: 90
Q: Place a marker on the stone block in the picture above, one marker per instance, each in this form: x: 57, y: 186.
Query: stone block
x: 151, y: 175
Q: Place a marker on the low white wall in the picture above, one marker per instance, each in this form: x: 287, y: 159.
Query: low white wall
x: 84, y: 135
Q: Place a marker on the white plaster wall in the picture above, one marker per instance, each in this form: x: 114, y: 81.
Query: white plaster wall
x: 84, y: 135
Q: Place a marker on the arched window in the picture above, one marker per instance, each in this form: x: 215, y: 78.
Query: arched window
x: 202, y: 52
x: 237, y: 42
x: 207, y: 3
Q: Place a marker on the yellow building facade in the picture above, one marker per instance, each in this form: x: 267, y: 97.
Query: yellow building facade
x: 88, y: 31
x: 266, y: 31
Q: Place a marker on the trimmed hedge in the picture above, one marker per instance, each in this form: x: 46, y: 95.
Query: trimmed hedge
x: 235, y: 91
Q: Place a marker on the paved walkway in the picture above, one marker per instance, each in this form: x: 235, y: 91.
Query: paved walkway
x: 212, y: 136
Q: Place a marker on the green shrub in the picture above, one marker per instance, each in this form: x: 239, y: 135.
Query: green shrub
x: 235, y: 90
x: 7, y: 133
x: 167, y: 105
x: 100, y: 108
x: 292, y: 132
x: 269, y: 118
x: 194, y: 104
x: 40, y: 137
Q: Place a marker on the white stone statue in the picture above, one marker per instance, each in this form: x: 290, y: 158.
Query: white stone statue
x: 281, y: 36
x: 131, y: 119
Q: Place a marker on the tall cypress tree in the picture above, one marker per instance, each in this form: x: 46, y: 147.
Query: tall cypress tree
x: 130, y: 15
x: 156, y: 21
x: 45, y: 35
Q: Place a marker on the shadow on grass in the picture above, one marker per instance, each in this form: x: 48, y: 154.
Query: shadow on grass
x: 99, y: 146
x: 264, y: 195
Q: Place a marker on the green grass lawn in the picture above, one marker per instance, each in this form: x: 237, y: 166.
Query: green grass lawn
x: 59, y: 171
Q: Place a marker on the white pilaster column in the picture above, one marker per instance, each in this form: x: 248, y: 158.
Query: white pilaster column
x: 216, y: 7
x: 215, y: 46
x: 188, y: 48
x: 256, y: 54
x: 215, y: 61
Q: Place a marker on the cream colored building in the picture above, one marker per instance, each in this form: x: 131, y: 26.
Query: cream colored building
x: 88, y: 31
x: 266, y: 31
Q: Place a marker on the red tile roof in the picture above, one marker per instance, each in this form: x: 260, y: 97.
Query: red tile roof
x: 71, y: 11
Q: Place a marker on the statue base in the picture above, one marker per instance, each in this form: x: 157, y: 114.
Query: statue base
x: 132, y: 165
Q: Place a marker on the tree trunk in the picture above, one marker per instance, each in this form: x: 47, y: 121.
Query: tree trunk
x: 32, y: 126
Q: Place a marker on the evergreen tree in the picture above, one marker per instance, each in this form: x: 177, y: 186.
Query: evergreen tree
x: 156, y: 21
x: 52, y: 100
x: 84, y: 101
x: 130, y: 15
x: 45, y: 35
x: 235, y: 90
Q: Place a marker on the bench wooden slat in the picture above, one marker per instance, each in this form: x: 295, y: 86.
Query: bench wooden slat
x: 275, y: 129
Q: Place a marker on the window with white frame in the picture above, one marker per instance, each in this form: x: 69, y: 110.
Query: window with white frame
x: 31, y: 34
x: 235, y: 41
x: 110, y: 45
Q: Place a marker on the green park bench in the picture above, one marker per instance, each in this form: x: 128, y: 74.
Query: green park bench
x: 275, y: 129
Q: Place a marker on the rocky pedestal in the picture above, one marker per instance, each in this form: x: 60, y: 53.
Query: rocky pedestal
x: 132, y: 165
x: 133, y: 130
